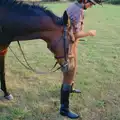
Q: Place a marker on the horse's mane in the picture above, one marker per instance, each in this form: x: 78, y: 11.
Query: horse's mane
x: 29, y: 8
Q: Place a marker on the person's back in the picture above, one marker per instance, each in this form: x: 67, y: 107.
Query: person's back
x: 76, y: 15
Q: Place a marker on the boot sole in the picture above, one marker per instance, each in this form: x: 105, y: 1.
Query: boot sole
x: 68, y: 116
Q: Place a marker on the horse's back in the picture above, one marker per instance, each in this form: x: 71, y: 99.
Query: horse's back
x: 19, y: 19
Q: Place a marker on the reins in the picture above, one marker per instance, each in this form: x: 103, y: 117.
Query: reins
x: 28, y: 66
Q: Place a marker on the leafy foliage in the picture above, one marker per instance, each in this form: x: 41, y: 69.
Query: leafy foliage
x: 115, y: 2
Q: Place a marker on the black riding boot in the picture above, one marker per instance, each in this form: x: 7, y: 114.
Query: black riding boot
x: 64, y: 110
x: 73, y: 90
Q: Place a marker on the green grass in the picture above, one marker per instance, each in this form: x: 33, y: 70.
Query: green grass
x: 36, y: 97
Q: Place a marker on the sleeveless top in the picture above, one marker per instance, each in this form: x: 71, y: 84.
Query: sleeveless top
x: 76, y: 15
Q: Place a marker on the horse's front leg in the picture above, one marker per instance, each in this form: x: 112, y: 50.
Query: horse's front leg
x: 7, y: 95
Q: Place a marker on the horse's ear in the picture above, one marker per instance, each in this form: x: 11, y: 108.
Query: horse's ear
x: 65, y: 18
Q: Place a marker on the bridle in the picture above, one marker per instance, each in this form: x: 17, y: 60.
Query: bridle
x: 52, y: 47
x: 64, y: 66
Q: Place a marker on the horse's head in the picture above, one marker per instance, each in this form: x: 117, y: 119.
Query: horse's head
x: 61, y: 44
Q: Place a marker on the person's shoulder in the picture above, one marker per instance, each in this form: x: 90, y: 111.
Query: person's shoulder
x: 72, y: 4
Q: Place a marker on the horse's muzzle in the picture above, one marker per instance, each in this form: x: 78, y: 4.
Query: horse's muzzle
x: 68, y: 65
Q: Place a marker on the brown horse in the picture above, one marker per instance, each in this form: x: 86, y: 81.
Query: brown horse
x: 20, y: 21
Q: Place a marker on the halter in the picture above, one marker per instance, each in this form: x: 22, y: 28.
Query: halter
x: 64, y: 66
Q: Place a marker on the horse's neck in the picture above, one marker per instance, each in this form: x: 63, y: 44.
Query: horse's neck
x: 47, y: 36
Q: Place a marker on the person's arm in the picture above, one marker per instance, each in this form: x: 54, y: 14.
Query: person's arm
x: 82, y: 34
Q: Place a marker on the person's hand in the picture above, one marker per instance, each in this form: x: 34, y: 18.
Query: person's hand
x: 92, y: 33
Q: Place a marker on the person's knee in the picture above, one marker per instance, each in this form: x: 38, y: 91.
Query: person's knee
x: 69, y: 76
x: 72, y: 65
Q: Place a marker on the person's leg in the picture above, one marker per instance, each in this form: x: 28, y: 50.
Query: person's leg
x: 66, y: 87
x: 75, y: 52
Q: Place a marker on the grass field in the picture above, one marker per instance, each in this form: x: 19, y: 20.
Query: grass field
x: 36, y: 97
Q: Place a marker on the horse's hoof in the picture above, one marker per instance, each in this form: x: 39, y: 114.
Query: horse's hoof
x: 9, y: 97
